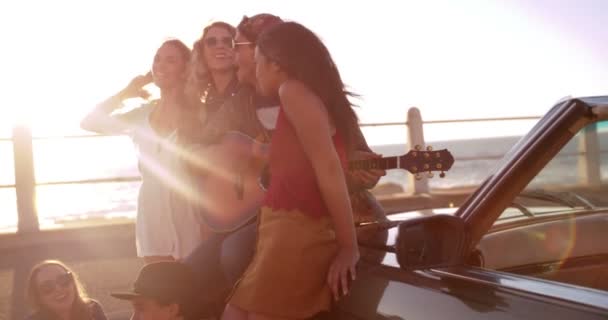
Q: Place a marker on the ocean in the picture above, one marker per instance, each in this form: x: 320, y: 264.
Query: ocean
x: 104, y: 157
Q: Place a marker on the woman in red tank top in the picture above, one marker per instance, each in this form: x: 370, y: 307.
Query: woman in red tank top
x: 306, y: 249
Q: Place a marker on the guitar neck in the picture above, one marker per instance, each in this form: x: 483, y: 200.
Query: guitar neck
x: 384, y: 163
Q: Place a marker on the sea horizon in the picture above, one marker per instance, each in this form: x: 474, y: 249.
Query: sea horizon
x: 58, y: 204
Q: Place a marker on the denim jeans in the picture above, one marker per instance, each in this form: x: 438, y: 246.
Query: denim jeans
x: 220, y: 261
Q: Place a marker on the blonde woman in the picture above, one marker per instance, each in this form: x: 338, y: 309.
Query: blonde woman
x: 165, y: 229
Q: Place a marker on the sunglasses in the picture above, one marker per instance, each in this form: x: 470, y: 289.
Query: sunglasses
x: 48, y: 287
x: 213, y: 42
x: 241, y: 43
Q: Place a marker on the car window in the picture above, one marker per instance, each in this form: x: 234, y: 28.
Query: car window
x: 571, y: 181
x: 556, y: 228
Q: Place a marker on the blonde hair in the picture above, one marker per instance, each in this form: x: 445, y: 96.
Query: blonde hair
x: 199, y: 78
x: 80, y: 306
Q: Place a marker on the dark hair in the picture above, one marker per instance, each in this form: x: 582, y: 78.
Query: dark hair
x: 80, y: 307
x: 303, y: 56
x: 189, y: 310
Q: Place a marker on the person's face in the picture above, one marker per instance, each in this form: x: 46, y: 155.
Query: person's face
x: 268, y: 74
x: 149, y: 309
x: 244, y: 55
x: 56, y: 288
x: 168, y: 69
x: 217, y: 50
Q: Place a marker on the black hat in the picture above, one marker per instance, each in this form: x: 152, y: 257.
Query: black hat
x: 167, y: 281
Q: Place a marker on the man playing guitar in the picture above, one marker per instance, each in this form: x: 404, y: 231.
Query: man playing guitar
x: 220, y: 261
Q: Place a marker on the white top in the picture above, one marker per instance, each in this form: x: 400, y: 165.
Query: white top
x: 166, y: 225
x: 268, y: 116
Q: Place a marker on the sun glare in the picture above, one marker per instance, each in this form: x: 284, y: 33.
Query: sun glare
x: 483, y: 59
x: 452, y: 60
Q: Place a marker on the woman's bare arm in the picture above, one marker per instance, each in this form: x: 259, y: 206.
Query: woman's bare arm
x: 308, y: 116
x: 101, y: 120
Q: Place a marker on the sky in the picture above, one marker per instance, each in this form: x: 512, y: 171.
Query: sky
x: 451, y: 59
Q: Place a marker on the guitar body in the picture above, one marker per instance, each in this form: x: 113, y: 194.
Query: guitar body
x: 228, y: 190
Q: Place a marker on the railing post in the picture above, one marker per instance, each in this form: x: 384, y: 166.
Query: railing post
x: 589, y: 163
x: 415, y: 137
x: 25, y: 181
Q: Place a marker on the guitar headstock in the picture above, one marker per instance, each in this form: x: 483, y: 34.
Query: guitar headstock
x: 420, y: 161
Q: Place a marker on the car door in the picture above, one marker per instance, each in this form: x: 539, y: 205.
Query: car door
x: 457, y: 289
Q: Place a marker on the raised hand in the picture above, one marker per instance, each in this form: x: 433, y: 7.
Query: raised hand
x: 135, y: 88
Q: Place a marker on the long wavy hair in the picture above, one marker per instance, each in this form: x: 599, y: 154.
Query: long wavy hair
x: 302, y: 55
x: 200, y: 79
x: 80, y: 306
x: 197, y: 87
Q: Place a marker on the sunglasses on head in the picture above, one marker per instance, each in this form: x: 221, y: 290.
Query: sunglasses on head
x: 49, y: 286
x: 213, y: 42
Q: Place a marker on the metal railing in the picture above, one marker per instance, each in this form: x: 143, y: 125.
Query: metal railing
x: 25, y: 181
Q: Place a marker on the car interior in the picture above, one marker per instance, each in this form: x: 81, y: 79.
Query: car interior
x: 553, y: 228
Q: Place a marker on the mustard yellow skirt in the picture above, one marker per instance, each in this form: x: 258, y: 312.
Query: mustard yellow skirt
x: 288, y: 274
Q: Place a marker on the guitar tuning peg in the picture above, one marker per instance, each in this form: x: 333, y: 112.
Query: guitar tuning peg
x: 418, y: 147
x: 430, y: 174
x: 429, y: 148
x: 442, y: 174
x: 418, y: 176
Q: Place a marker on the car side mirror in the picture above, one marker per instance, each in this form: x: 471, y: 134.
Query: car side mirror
x: 431, y: 242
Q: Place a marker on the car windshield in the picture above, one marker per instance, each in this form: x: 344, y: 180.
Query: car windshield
x: 575, y: 179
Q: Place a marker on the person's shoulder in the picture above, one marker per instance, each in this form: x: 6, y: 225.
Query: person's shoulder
x: 96, y: 310
x: 94, y: 304
x: 293, y: 87
x: 296, y: 94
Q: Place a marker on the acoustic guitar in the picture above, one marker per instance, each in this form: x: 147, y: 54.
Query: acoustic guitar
x: 230, y: 189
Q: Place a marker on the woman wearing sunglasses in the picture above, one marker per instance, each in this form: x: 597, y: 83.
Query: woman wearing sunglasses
x: 213, y: 79
x: 218, y: 266
x: 55, y: 293
x: 249, y: 112
x: 306, y: 247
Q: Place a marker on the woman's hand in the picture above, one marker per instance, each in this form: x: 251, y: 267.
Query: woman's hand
x: 366, y: 178
x: 343, y: 264
x: 135, y: 88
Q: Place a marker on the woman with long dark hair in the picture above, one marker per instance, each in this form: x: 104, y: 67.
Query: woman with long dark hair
x: 55, y: 293
x: 306, y: 249
x: 165, y: 229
